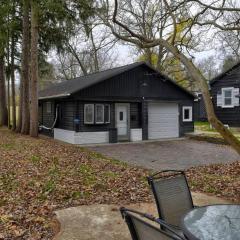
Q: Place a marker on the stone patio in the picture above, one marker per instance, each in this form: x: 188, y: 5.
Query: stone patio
x: 104, y: 221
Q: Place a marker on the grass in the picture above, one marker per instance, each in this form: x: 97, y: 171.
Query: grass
x: 203, y: 126
x: 205, y: 130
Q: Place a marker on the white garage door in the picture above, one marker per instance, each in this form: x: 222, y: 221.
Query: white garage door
x: 163, y: 120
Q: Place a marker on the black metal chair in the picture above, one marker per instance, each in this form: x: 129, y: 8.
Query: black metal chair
x: 140, y: 229
x: 172, y: 195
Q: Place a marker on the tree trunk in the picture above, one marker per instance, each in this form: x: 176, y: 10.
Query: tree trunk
x: 96, y: 64
x: 25, y: 123
x: 20, y: 107
x: 13, y: 85
x: 74, y: 53
x: 3, y: 104
x: 34, y: 71
x: 8, y: 98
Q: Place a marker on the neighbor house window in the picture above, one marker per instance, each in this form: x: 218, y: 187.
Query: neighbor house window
x: 187, y: 114
x: 99, y: 113
x: 107, y: 113
x: 227, y: 97
x: 49, y: 107
x: 89, y: 113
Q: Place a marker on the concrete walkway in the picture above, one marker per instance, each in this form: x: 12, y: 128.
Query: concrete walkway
x: 104, y: 222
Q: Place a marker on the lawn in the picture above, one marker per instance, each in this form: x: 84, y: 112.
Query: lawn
x: 206, y: 132
x: 38, y: 176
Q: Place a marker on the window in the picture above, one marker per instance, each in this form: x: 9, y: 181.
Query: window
x: 89, y: 113
x: 96, y: 113
x: 49, y: 107
x: 120, y: 116
x: 227, y: 97
x: 107, y: 113
x: 99, y: 113
x: 187, y: 114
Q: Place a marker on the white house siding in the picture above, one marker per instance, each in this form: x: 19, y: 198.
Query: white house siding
x: 91, y: 137
x: 81, y: 137
x: 136, y: 135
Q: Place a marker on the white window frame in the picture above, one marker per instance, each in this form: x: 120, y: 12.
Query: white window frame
x: 108, y: 113
x: 49, y: 107
x: 85, y: 107
x: 103, y: 112
x: 190, y: 113
x: 223, y: 97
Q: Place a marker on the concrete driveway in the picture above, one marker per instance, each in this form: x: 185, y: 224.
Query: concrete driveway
x: 174, y: 154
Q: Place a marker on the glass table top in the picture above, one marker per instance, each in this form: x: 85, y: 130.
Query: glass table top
x: 216, y: 222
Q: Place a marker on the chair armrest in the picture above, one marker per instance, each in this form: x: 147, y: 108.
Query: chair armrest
x: 171, y: 228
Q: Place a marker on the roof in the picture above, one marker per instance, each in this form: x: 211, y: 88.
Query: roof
x: 69, y: 87
x: 224, y: 73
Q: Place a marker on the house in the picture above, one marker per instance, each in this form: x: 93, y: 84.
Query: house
x: 225, y: 96
x: 200, y: 113
x: 129, y: 103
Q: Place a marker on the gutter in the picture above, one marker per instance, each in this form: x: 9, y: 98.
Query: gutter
x: 55, y: 96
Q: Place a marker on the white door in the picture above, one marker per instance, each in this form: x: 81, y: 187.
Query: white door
x: 163, y: 120
x: 122, y: 120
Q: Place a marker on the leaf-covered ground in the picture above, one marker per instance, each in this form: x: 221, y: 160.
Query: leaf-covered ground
x: 222, y: 180
x: 38, y: 176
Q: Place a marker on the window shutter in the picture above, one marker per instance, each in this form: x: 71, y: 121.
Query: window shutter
x: 235, y: 98
x: 219, y: 100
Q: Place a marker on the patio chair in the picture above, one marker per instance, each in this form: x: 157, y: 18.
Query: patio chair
x: 140, y: 229
x: 172, y: 195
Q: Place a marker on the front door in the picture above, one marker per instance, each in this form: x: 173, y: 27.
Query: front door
x: 122, y: 120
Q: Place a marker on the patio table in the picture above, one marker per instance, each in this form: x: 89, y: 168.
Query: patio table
x: 213, y: 222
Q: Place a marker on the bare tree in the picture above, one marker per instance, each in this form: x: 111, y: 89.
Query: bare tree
x: 95, y: 53
x: 209, y: 14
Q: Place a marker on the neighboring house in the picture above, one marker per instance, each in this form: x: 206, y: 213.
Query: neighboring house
x: 200, y: 113
x: 128, y: 103
x: 225, y: 95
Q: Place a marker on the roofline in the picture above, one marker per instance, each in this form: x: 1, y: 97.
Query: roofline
x: 136, y: 64
x: 224, y: 73
x: 55, y: 96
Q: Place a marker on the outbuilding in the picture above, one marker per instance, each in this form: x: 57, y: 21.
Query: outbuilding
x: 129, y: 103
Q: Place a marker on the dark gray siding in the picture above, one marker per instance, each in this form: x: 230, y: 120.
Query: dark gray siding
x: 200, y: 113
x: 48, y: 118
x: 134, y: 85
x: 185, y: 127
x: 229, y: 116
x: 67, y: 112
x: 135, y: 115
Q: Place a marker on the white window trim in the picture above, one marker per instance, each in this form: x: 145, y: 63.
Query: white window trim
x: 223, y: 97
x: 190, y: 113
x: 49, y: 107
x: 101, y: 105
x: 109, y: 111
x: 85, y: 120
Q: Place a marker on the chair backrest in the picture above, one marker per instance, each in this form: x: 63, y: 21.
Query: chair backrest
x: 143, y: 230
x: 172, y: 195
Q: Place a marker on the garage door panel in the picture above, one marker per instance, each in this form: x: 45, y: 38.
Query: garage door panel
x: 163, y: 120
